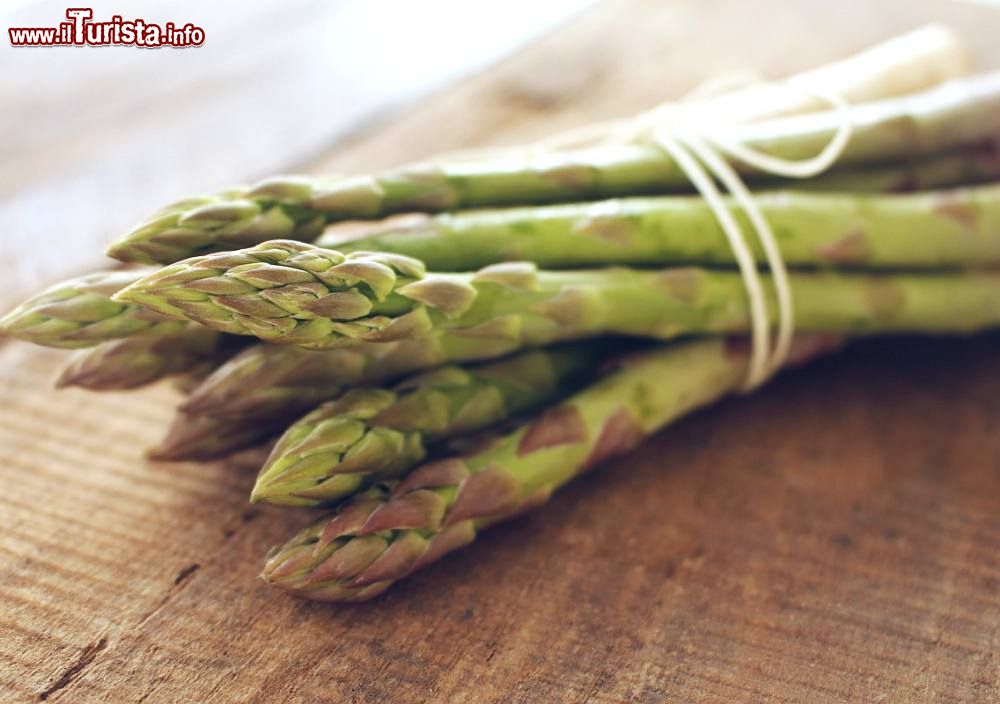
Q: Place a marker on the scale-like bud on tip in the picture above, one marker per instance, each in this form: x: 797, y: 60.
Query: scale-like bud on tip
x: 142, y: 359
x: 289, y: 291
x: 518, y: 275
x: 82, y: 313
x: 220, y: 212
x: 371, y: 434
x: 285, y: 189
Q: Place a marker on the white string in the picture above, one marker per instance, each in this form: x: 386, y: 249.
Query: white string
x: 765, y: 365
x: 759, y: 317
x: 700, y: 157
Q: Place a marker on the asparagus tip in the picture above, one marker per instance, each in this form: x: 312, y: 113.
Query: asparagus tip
x: 124, y: 251
x: 10, y: 322
x: 126, y: 295
x: 65, y: 379
x: 159, y: 453
x: 259, y: 492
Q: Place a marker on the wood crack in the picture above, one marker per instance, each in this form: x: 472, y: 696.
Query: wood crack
x: 181, y: 580
x: 185, y: 573
x: 83, y: 661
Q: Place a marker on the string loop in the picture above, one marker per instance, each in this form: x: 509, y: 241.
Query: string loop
x: 701, y: 155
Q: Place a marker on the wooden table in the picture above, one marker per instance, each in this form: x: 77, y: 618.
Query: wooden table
x: 834, y: 538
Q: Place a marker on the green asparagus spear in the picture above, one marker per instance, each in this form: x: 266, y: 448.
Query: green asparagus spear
x: 369, y: 434
x: 398, y: 527
x: 265, y: 381
x: 202, y: 438
x: 267, y: 385
x: 207, y: 436
x: 292, y: 292
x: 80, y: 313
x: 903, y: 64
x: 957, y: 228
x: 962, y: 167
x: 126, y: 345
x: 194, y: 376
x: 961, y: 112
x: 130, y: 362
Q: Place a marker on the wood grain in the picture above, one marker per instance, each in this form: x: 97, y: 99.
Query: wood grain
x: 833, y: 538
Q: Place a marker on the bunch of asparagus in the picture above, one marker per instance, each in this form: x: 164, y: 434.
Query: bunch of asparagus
x: 440, y: 347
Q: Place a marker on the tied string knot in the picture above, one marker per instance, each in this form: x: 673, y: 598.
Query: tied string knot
x: 702, y: 151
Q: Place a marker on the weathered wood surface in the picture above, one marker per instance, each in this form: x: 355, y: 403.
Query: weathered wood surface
x: 834, y: 538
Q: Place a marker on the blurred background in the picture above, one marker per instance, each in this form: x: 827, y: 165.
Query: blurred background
x: 96, y: 138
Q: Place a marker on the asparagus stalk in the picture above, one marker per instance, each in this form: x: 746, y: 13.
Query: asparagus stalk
x: 905, y: 64
x: 268, y: 386
x: 138, y: 360
x: 292, y: 292
x: 80, y: 313
x: 963, y: 167
x: 369, y: 434
x: 961, y: 112
x: 398, y: 527
x: 203, y: 438
x: 194, y: 376
x: 266, y: 381
x: 958, y: 228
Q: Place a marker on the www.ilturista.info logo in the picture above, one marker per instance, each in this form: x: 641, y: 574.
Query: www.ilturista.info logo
x: 81, y: 30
